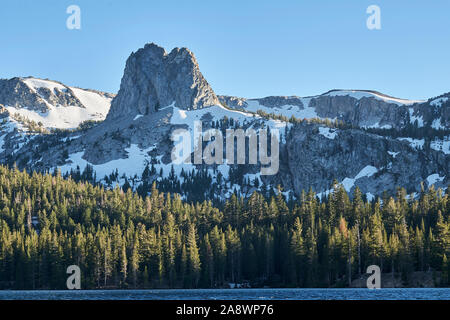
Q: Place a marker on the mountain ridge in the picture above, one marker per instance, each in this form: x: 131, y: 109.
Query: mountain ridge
x: 161, y: 92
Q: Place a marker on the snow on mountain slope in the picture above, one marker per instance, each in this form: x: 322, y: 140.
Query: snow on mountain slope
x: 133, y: 164
x: 362, y: 108
x: 67, y: 118
x: 367, y: 171
x: 286, y: 110
x: 413, y: 118
x: 414, y: 143
x: 35, y: 84
x: 359, y: 94
x: 438, y: 102
x: 2, y: 142
x: 97, y: 105
x: 82, y: 105
x: 436, y: 124
x: 349, y: 183
x: 13, y: 135
x: 328, y: 132
x: 433, y: 178
x: 215, y: 113
x: 441, y: 145
x: 136, y: 158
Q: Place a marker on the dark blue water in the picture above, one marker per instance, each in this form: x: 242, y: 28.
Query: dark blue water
x: 233, y: 294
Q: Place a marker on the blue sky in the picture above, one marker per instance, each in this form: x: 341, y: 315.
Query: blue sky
x: 244, y: 48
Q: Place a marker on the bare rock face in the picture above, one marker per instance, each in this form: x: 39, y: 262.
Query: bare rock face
x: 436, y: 111
x: 314, y: 160
x: 360, y: 112
x: 17, y: 93
x: 154, y: 79
x: 3, y: 112
x: 233, y: 102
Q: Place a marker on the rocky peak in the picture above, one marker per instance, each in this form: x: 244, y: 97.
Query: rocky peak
x: 154, y: 79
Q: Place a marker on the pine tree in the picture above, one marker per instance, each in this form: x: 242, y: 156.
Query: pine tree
x: 128, y: 239
x: 194, y: 264
x: 123, y: 264
x: 134, y: 261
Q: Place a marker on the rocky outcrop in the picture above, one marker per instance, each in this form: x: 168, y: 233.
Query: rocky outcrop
x: 314, y: 160
x: 360, y: 108
x: 233, y: 102
x: 3, y: 112
x: 435, y: 112
x: 16, y: 92
x: 154, y: 79
x: 279, y: 101
x: 364, y: 112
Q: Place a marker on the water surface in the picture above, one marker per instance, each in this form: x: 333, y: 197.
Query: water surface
x: 233, y: 294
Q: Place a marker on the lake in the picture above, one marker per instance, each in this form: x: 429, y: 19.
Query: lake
x: 233, y: 294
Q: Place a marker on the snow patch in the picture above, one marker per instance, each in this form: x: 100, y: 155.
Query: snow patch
x: 414, y: 143
x: 217, y: 112
x: 253, y: 177
x: 377, y: 126
x: 393, y: 154
x: 188, y: 117
x: 2, y: 142
x: 134, y: 164
x: 35, y: 84
x: 433, y: 178
x: 328, y: 132
x: 438, y: 102
x: 348, y: 183
x: 370, y: 197
x: 96, y: 107
x: 359, y: 94
x: 285, y: 110
x: 96, y: 104
x: 413, y: 118
x: 70, y: 138
x: 367, y: 171
x: 441, y: 145
x: 437, y: 124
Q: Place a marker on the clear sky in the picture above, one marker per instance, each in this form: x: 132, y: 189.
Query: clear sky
x: 244, y: 48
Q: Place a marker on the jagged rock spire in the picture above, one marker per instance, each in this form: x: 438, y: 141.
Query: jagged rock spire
x: 154, y: 79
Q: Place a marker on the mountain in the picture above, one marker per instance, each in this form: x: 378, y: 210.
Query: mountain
x: 31, y: 109
x: 360, y: 108
x: 52, y: 103
x: 360, y: 138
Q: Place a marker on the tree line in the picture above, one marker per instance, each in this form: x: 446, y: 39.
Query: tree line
x: 121, y: 239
